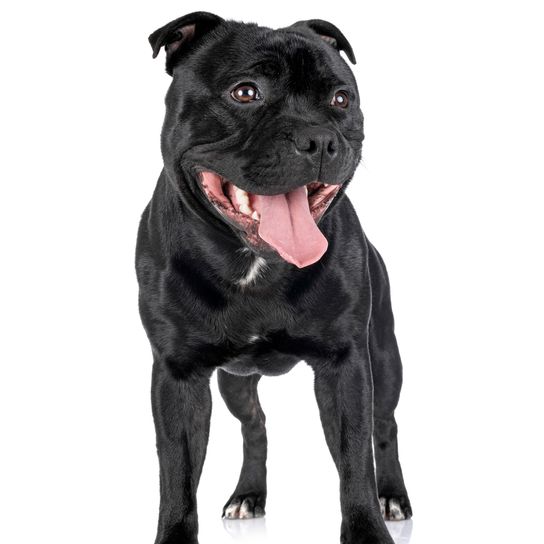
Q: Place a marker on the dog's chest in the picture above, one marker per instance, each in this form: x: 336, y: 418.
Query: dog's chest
x: 267, y: 362
x: 270, y: 340
x: 249, y: 329
x: 269, y: 354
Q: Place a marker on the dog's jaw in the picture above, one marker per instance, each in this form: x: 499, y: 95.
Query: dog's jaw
x: 285, y: 222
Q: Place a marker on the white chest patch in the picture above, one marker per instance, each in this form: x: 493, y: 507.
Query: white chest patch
x: 255, y: 268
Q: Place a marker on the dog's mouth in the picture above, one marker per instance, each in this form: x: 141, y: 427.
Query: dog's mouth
x: 287, y: 222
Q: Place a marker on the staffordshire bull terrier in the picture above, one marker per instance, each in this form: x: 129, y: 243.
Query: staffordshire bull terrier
x: 250, y: 258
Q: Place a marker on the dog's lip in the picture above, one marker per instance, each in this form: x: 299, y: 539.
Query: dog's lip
x: 236, y: 203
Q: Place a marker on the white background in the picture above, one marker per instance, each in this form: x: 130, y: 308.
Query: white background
x: 449, y: 191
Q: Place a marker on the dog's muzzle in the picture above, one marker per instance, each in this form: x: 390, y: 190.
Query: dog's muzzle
x: 287, y: 221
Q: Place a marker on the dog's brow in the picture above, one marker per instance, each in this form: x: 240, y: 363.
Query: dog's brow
x: 274, y: 68
x: 268, y: 67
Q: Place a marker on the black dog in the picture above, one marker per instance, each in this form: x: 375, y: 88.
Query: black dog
x: 262, y: 135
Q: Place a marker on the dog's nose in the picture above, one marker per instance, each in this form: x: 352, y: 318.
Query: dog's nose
x: 316, y: 143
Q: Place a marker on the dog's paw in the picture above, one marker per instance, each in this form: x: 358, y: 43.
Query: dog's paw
x: 395, y: 508
x: 244, y: 506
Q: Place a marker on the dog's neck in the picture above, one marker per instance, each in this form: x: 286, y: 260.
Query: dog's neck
x: 255, y: 271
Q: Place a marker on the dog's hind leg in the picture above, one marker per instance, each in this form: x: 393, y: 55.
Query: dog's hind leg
x: 387, y: 378
x: 240, y: 396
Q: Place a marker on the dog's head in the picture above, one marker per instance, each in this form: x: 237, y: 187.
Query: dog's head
x: 263, y: 129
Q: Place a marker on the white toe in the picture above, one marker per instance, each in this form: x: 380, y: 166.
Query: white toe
x: 395, y: 511
x: 383, y: 500
x: 245, y: 510
x: 232, y: 511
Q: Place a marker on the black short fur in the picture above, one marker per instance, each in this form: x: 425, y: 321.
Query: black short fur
x: 198, y: 314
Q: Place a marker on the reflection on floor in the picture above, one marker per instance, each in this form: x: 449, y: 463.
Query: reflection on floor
x: 248, y: 529
x: 242, y: 529
x: 401, y: 531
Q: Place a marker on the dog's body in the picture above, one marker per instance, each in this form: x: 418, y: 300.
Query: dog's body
x: 221, y: 291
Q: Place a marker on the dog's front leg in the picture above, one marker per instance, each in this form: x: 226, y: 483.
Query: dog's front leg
x: 344, y: 395
x: 181, y: 411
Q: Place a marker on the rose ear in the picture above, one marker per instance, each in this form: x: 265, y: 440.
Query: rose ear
x: 328, y: 33
x: 177, y: 35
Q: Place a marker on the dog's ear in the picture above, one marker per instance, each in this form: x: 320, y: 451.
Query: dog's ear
x: 330, y: 34
x: 177, y: 36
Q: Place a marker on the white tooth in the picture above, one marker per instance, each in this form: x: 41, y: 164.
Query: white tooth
x: 255, y: 215
x: 325, y: 185
x: 241, y: 196
x: 306, y: 190
x: 244, y: 208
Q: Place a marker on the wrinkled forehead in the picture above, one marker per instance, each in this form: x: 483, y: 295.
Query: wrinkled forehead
x: 252, y: 52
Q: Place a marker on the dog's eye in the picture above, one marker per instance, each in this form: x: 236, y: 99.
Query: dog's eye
x: 340, y: 99
x: 245, y: 93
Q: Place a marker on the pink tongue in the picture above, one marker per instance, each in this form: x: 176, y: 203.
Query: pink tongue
x: 288, y: 226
